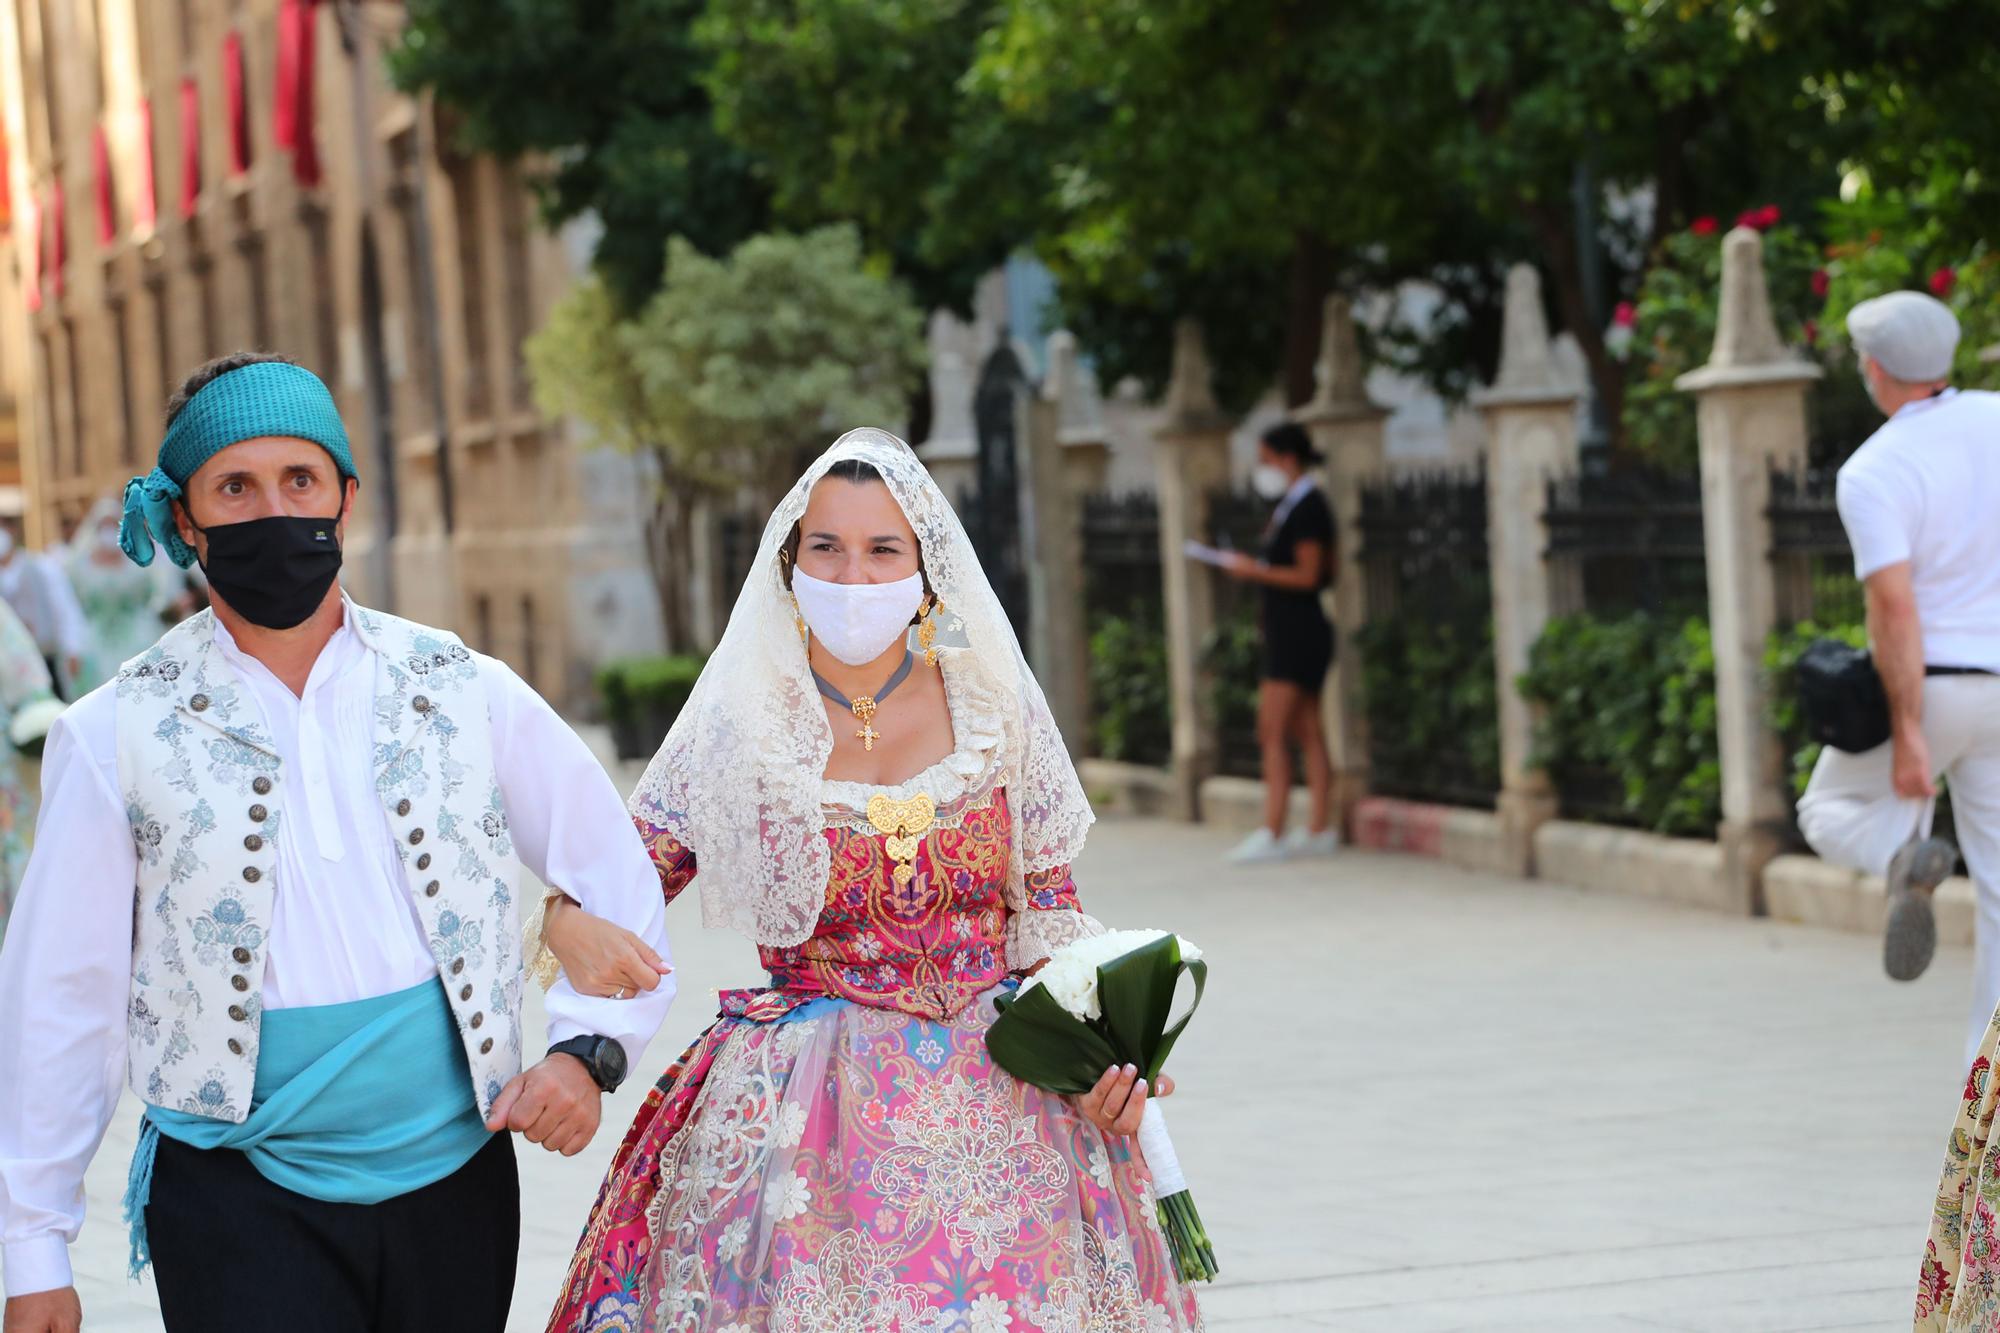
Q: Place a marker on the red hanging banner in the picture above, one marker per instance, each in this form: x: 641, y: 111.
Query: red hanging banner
x: 58, y: 241
x: 305, y: 145
x: 145, y: 207
x: 100, y: 172
x: 285, y: 89
x: 232, y: 91
x: 31, y: 228
x: 190, y: 147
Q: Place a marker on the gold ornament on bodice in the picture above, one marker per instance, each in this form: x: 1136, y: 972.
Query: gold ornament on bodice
x: 902, y: 825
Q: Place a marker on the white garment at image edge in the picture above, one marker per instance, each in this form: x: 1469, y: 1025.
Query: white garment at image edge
x: 38, y: 590
x: 1926, y: 488
x: 1852, y: 816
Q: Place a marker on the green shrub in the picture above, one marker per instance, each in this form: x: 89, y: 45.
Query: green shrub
x: 1130, y: 717
x: 1428, y: 680
x: 1233, y: 657
x: 642, y: 697
x: 1629, y: 703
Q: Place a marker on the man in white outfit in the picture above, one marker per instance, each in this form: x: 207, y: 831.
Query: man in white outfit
x: 1921, y: 504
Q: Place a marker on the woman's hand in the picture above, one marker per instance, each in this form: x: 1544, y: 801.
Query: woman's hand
x: 1119, y: 1099
x: 1241, y: 565
x: 598, y: 957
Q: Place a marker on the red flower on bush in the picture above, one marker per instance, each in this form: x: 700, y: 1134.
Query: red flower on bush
x: 1703, y: 225
x: 1942, y: 282
x: 1821, y: 280
x: 1624, y: 315
x: 1812, y: 332
x: 1759, y: 219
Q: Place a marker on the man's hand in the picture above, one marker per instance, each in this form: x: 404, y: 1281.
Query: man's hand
x: 57, y: 1311
x: 556, y: 1104
x: 1910, y: 765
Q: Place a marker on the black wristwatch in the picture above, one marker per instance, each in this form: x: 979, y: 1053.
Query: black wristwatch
x: 602, y: 1056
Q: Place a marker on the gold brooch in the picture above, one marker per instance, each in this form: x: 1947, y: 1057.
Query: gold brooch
x: 903, y: 825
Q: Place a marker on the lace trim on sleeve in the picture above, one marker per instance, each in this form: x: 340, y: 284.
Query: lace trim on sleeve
x: 1033, y: 936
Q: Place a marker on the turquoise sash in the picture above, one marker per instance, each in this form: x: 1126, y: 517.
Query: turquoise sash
x: 353, y: 1103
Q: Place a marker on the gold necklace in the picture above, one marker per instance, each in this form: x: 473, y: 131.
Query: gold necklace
x: 863, y: 706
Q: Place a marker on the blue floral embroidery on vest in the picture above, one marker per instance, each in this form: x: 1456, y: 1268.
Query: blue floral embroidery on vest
x: 223, y: 927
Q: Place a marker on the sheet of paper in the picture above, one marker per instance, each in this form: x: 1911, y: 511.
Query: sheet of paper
x: 1205, y: 553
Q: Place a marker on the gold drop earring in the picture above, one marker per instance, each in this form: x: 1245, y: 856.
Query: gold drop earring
x: 927, y: 631
x: 798, y: 616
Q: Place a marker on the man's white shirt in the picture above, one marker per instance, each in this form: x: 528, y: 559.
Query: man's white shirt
x: 343, y: 929
x: 1925, y: 488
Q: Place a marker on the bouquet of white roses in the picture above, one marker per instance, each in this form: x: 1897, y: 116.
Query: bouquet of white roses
x: 1100, y: 1002
x: 31, y: 724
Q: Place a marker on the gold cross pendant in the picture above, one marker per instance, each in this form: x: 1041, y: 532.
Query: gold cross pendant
x: 864, y: 708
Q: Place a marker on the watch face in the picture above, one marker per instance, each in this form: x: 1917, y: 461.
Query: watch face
x: 610, y: 1063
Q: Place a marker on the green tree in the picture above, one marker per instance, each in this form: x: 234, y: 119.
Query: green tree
x: 609, y: 99
x: 736, y: 366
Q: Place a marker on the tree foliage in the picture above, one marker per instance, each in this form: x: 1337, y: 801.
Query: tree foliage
x: 729, y: 372
x: 609, y: 97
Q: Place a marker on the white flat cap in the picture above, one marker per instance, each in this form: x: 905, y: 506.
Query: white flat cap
x: 1911, y: 335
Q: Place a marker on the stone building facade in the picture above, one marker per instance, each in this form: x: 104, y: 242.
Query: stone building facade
x: 190, y: 177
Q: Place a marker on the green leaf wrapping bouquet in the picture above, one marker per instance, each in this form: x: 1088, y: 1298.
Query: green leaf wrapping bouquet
x: 1106, y: 1001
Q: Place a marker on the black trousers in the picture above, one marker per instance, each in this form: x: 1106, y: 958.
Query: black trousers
x: 234, y: 1253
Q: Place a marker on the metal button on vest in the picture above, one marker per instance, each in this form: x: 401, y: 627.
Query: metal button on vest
x: 199, y: 703
x: 240, y: 982
x: 479, y: 1020
x: 240, y: 954
x: 457, y: 966
x: 253, y: 843
x: 486, y: 1047
x: 421, y: 704
x: 424, y: 861
x: 465, y: 992
x: 261, y: 785
x: 239, y: 1013
x: 251, y: 874
x: 403, y: 806
x: 431, y: 889
x: 258, y: 814
x: 416, y: 836
x: 235, y: 1046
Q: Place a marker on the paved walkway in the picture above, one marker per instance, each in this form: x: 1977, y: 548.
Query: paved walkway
x: 1422, y: 1100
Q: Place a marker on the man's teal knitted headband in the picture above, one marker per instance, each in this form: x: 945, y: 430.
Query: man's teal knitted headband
x: 248, y: 403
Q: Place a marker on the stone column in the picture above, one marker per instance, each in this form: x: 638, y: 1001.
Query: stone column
x: 1071, y: 387
x: 1346, y: 425
x: 1192, y: 459
x: 1052, y: 542
x: 1751, y: 415
x: 1531, y: 436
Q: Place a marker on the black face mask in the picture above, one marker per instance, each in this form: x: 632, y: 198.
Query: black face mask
x: 273, y: 572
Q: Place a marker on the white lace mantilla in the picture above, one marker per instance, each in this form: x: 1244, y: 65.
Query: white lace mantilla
x: 741, y: 776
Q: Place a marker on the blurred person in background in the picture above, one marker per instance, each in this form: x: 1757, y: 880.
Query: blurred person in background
x: 35, y: 585
x: 1920, y: 500
x: 1293, y: 566
x: 124, y: 605
x: 28, y: 707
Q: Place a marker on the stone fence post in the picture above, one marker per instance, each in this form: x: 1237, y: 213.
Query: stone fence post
x: 1531, y: 437
x: 1751, y: 417
x: 1192, y: 459
x: 1347, y: 426
x: 1052, y: 540
x: 1086, y: 450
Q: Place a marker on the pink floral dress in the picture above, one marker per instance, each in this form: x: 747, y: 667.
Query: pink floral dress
x: 838, y: 1153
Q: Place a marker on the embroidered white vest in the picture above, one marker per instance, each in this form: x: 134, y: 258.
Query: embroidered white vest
x: 205, y: 793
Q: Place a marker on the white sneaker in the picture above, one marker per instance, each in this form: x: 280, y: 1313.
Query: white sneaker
x: 1301, y: 843
x: 1259, y: 846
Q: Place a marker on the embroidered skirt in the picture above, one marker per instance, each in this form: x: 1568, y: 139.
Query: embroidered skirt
x: 826, y: 1165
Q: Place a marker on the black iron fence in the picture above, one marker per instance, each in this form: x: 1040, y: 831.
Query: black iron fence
x: 1809, y: 552
x: 1125, y: 615
x: 1628, y: 541
x: 1427, y: 649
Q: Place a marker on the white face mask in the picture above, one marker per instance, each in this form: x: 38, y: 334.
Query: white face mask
x: 1269, y: 480
x: 857, y: 622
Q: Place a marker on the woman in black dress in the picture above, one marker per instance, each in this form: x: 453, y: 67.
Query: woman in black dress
x: 1295, y: 563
